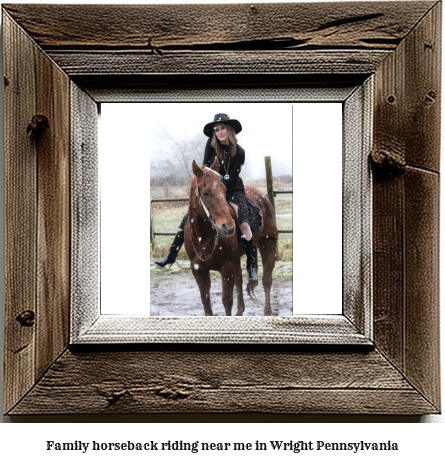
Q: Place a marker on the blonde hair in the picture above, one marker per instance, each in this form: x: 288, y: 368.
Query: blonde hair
x: 231, y: 139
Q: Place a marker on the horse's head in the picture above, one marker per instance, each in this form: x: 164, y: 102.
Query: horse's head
x: 210, y: 194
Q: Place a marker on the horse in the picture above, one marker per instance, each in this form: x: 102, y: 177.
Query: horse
x: 212, y: 241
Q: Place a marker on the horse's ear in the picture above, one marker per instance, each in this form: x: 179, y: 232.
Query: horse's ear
x: 215, y: 165
x: 197, y: 171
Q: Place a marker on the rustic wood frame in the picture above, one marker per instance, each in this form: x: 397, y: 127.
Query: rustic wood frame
x: 100, y: 49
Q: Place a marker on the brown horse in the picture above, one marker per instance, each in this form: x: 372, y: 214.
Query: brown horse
x: 212, y: 242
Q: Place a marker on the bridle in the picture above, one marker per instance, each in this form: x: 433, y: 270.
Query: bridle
x: 209, y: 216
x: 212, y: 222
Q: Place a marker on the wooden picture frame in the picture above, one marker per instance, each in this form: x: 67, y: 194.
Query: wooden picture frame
x: 87, y: 54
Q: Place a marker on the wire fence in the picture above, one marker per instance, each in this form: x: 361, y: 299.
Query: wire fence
x: 271, y: 194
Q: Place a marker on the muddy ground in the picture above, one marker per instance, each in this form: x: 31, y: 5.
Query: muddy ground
x: 177, y: 294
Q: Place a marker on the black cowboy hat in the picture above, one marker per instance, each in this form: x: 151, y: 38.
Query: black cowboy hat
x: 222, y: 118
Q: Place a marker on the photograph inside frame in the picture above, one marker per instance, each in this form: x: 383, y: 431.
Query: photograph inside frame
x: 221, y: 209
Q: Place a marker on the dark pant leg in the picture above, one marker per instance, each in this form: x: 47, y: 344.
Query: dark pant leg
x: 184, y: 221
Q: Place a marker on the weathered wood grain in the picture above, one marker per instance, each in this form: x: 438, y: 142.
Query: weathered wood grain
x: 53, y: 199
x: 389, y: 157
x: 388, y: 268
x: 89, y: 327
x: 20, y: 213
x: 406, y: 222
x: 389, y: 141
x: 37, y: 217
x: 274, y: 25
x: 407, y: 112
x: 423, y: 92
x: 139, y: 39
x: 220, y: 382
x: 84, y: 180
x: 357, y: 209
x: 422, y: 323
x: 119, y: 62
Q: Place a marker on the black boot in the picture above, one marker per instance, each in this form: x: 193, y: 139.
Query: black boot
x: 251, y: 259
x: 170, y: 258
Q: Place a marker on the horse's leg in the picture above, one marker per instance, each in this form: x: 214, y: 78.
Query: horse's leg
x: 239, y: 289
x: 267, y: 249
x: 203, y: 279
x: 228, y: 280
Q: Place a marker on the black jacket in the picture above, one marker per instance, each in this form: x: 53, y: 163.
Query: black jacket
x: 230, y: 165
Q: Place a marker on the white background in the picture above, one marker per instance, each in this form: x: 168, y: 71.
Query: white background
x: 22, y: 442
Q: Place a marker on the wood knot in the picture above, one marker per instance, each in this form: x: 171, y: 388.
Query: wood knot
x: 112, y: 395
x: 391, y: 99
x: 172, y: 393
x: 37, y: 126
x: 26, y: 318
x: 387, y: 163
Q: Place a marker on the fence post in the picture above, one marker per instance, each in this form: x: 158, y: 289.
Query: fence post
x: 269, y: 181
x: 271, y: 194
x: 152, y: 232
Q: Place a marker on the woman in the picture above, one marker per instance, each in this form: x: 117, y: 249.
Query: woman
x: 222, y: 143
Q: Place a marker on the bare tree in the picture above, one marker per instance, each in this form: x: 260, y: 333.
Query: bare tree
x: 172, y: 161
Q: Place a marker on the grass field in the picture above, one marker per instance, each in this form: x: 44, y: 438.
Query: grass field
x: 166, y: 217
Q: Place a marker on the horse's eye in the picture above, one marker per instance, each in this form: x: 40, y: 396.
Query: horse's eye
x: 206, y: 194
